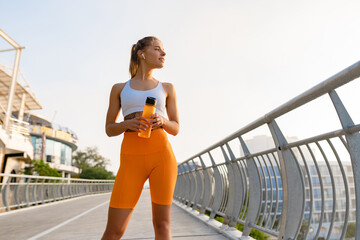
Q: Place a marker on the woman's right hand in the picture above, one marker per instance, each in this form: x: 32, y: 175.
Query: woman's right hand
x: 137, y: 123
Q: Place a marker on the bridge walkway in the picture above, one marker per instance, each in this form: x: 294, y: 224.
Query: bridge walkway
x: 85, y: 218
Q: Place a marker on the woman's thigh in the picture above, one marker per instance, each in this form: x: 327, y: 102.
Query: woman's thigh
x: 129, y: 182
x: 163, y: 177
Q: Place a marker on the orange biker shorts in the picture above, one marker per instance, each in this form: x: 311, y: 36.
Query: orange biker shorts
x: 140, y: 159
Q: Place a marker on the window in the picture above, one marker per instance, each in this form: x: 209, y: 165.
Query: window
x: 324, y: 170
x: 328, y: 204
x: 63, y: 146
x: 317, y: 193
x: 313, y: 170
x: 49, y: 147
x: 315, y: 181
x: 329, y: 192
x: 317, y: 205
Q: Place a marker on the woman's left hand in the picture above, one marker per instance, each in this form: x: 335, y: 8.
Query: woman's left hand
x: 157, y: 120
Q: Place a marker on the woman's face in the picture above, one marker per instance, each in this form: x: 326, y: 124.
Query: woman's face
x: 154, y: 55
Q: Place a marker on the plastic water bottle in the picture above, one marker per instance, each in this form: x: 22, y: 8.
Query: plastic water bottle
x: 149, y: 109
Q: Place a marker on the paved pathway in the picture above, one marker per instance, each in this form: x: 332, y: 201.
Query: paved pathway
x: 84, y: 218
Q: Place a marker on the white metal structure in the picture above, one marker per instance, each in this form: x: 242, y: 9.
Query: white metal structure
x: 14, y: 133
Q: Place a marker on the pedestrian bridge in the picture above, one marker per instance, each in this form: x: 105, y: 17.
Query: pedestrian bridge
x: 294, y: 189
x: 85, y: 217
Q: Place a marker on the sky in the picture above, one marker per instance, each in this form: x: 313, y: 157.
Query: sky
x: 230, y: 62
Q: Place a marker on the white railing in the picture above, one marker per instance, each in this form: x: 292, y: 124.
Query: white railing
x: 287, y: 191
x: 19, y: 191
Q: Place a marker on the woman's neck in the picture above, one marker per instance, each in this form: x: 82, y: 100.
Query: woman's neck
x: 144, y: 74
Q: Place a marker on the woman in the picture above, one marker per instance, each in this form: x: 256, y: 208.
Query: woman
x: 143, y: 158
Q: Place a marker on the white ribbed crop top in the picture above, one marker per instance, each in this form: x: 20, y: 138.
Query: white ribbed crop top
x: 133, y: 100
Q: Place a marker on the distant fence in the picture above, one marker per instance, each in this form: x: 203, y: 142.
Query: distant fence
x: 288, y: 191
x: 19, y: 191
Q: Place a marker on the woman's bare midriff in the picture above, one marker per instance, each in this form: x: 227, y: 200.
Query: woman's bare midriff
x: 134, y: 115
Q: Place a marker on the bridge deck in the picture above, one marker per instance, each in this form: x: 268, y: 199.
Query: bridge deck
x: 85, y: 218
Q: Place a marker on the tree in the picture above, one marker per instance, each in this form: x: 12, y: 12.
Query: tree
x: 96, y: 173
x: 89, y: 158
x: 91, y: 164
x: 39, y: 167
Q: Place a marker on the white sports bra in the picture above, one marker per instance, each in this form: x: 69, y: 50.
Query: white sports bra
x: 133, y: 100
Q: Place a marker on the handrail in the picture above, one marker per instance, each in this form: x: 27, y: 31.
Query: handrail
x: 52, y: 178
x: 19, y: 190
x: 298, y: 190
x: 339, y: 79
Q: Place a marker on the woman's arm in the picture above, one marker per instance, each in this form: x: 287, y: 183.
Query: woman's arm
x: 114, y: 129
x: 170, y: 125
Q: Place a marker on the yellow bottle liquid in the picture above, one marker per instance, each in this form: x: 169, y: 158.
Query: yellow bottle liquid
x: 149, y: 109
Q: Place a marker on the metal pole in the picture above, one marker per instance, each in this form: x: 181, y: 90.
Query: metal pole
x: 293, y: 186
x: 22, y: 106
x: 12, y: 89
x: 353, y: 141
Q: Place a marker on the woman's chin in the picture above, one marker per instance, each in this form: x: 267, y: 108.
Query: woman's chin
x: 160, y: 66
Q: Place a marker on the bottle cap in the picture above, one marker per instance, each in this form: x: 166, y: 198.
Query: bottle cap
x: 151, y: 100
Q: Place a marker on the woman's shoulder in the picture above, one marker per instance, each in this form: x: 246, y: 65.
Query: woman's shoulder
x: 168, y: 87
x: 118, y: 87
x: 167, y: 83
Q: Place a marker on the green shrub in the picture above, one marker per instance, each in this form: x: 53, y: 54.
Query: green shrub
x: 351, y: 230
x: 256, y: 234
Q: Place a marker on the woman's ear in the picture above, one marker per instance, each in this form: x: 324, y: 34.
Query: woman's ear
x: 139, y: 52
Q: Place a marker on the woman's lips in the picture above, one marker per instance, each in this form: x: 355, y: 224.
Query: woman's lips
x: 162, y: 59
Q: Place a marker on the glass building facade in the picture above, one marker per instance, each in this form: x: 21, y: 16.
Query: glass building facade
x: 55, y: 151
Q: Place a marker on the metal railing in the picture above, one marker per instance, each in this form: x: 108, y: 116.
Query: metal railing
x: 16, y: 126
x: 19, y: 191
x: 19, y: 127
x: 299, y: 190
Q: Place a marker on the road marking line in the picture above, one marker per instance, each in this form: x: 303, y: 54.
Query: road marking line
x: 66, y: 222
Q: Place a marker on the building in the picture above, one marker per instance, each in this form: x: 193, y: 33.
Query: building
x: 15, y: 145
x: 53, y: 143
x: 21, y: 133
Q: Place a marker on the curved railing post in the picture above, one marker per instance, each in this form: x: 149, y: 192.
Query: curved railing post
x: 26, y: 191
x: 183, y: 181
x: 194, y: 186
x: 218, y: 194
x: 233, y: 207
x: 41, y: 190
x: 199, y: 173
x: 207, y: 187
x: 53, y: 188
x: 293, y: 188
x: 189, y: 185
x: 254, y: 202
x: 230, y: 189
x: 16, y: 194
x: 3, y: 194
x: 34, y: 198
x: 353, y: 142
x: 62, y: 187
